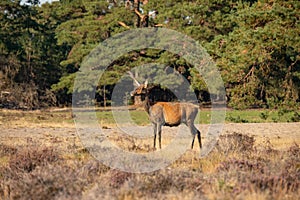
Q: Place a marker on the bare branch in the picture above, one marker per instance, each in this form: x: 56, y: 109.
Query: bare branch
x: 250, y: 73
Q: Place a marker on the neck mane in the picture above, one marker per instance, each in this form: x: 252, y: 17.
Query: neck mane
x: 147, y: 102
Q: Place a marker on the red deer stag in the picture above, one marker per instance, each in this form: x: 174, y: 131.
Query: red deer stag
x: 168, y: 114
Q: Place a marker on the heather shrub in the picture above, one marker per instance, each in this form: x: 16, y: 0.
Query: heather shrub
x: 52, y: 181
x: 6, y: 150
x: 235, y: 143
x: 29, y: 158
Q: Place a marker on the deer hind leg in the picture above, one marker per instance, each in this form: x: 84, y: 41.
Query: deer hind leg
x: 199, y: 138
x: 193, y: 141
x: 195, y: 132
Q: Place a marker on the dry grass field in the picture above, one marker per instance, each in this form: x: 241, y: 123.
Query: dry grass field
x: 41, y: 157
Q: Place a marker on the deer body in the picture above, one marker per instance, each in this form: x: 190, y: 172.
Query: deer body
x: 169, y: 114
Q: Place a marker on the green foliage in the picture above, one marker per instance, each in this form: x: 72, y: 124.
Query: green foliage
x: 264, y: 115
x: 280, y: 115
x: 255, y: 45
x: 29, y: 54
x: 295, y: 117
x: 65, y: 82
x: 259, y: 58
x: 236, y: 119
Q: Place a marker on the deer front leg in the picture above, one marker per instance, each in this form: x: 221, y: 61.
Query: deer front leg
x: 154, y: 131
x: 159, y: 135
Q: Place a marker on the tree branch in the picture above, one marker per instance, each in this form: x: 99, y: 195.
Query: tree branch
x: 251, y: 71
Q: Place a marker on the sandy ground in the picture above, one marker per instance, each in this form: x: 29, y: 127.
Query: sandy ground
x: 281, y: 135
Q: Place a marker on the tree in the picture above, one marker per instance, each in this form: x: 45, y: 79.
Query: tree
x: 254, y: 43
x: 30, y: 56
x: 259, y: 59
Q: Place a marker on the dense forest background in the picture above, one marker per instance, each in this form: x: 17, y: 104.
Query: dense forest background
x: 255, y: 44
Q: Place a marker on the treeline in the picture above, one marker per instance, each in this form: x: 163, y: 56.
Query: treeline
x: 255, y: 44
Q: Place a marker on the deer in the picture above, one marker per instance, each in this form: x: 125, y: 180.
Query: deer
x: 168, y: 114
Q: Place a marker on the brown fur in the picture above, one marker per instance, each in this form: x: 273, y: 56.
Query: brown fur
x: 169, y: 114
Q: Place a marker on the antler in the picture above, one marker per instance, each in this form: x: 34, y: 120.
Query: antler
x: 123, y: 24
x: 142, y: 17
x: 146, y: 83
x: 131, y: 76
x: 138, y: 13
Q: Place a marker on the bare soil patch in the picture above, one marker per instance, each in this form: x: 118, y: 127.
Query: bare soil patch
x: 280, y: 135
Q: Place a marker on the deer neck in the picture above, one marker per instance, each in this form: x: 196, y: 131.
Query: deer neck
x: 147, y: 104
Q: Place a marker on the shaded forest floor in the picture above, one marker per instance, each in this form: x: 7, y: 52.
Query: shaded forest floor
x: 47, y: 160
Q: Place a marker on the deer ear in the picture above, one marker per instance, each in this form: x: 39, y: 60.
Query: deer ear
x: 146, y: 84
